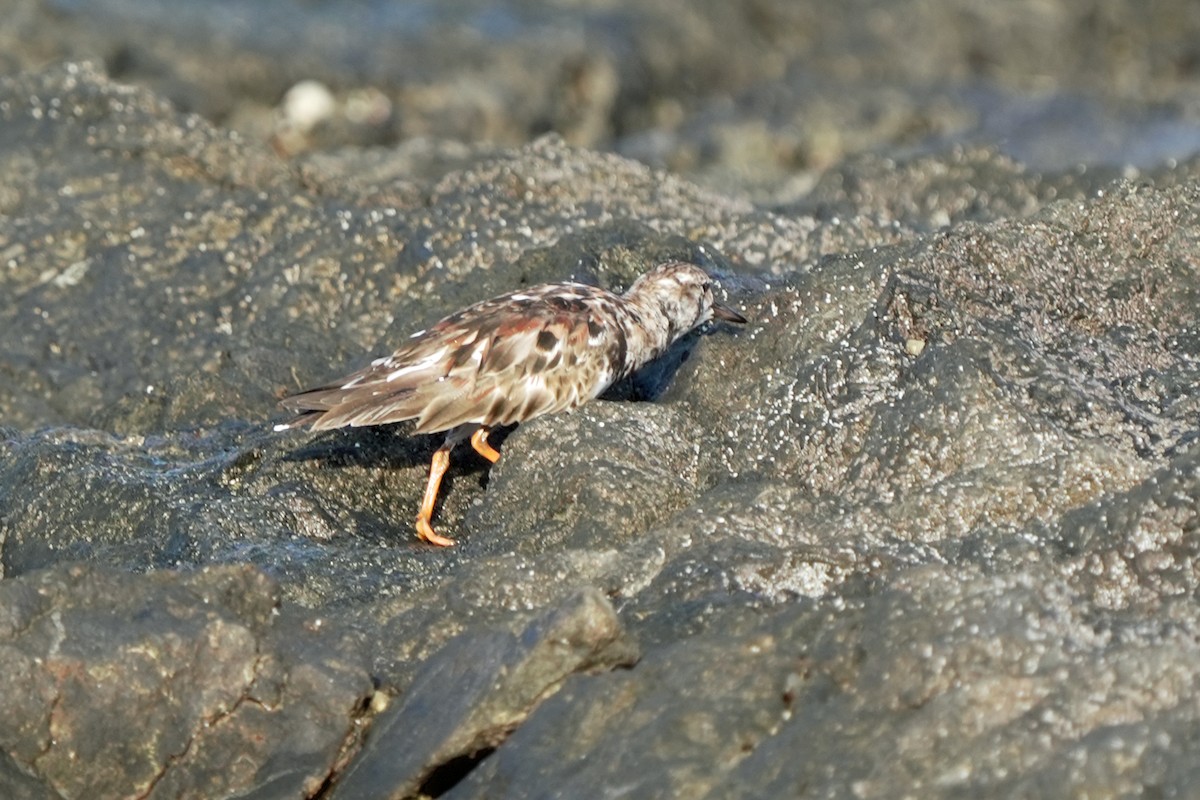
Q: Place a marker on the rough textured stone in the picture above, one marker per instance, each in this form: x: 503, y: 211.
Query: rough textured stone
x: 168, y: 686
x: 925, y: 527
x: 476, y: 689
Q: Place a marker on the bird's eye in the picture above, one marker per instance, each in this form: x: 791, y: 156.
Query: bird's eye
x: 707, y: 286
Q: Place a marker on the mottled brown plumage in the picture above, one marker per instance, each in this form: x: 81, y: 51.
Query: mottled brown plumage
x: 523, y: 354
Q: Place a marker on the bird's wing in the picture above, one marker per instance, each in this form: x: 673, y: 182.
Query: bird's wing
x: 497, y: 362
x: 538, y: 361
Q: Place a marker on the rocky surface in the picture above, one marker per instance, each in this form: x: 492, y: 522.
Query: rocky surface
x: 927, y: 526
x: 169, y: 685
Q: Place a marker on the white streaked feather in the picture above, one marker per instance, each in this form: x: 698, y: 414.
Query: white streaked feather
x: 415, y: 366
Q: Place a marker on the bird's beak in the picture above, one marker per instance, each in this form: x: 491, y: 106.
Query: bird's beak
x: 726, y: 313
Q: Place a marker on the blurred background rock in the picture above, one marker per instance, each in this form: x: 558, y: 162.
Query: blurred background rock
x: 759, y: 96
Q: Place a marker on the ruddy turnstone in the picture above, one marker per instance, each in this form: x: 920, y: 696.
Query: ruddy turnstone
x: 523, y: 354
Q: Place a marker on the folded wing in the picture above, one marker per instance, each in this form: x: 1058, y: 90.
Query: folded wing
x: 498, y: 362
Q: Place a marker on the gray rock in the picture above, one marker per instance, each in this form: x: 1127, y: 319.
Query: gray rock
x: 476, y: 689
x: 760, y: 95
x: 924, y: 527
x: 165, y: 685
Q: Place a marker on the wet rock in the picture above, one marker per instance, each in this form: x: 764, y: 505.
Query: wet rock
x: 168, y: 685
x: 956, y: 680
x: 922, y: 527
x: 478, y: 688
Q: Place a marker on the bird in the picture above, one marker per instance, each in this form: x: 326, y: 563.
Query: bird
x: 533, y: 351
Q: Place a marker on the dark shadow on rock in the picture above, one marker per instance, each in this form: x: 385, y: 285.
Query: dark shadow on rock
x: 470, y: 695
x: 651, y: 381
x: 452, y: 773
x: 393, y: 446
x: 389, y: 446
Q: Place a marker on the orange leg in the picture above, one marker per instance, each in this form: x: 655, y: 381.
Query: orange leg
x: 480, y: 443
x: 441, y: 460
